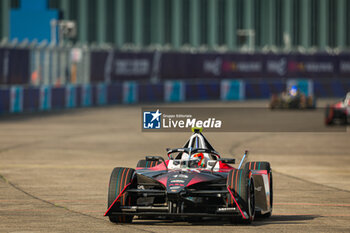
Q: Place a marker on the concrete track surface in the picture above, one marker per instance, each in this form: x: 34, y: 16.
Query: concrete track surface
x: 55, y: 171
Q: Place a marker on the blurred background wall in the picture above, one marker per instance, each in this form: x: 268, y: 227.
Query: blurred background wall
x: 68, y: 53
x: 230, y: 24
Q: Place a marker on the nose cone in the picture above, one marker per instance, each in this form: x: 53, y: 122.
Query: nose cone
x: 177, y: 181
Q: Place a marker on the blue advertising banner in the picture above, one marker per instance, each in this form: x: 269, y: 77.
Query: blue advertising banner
x: 45, y: 98
x: 130, y: 92
x: 101, y: 90
x: 86, y: 95
x: 232, y: 90
x: 71, y: 96
x: 16, y: 99
x: 174, y: 91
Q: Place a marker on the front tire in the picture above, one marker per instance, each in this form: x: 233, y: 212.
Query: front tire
x: 241, y: 184
x: 263, y: 166
x: 119, y: 179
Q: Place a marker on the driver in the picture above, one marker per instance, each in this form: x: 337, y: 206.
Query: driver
x: 202, y: 159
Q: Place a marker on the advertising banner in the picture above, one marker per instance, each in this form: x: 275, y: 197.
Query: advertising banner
x: 113, y: 66
x: 45, y: 98
x: 174, y: 91
x: 232, y: 90
x: 130, y: 92
x: 14, y: 66
x: 101, y: 90
x: 86, y: 95
x: 16, y: 99
x: 71, y: 96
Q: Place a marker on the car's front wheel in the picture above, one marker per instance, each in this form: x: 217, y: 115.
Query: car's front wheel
x: 241, y: 185
x: 262, y: 165
x: 120, y: 178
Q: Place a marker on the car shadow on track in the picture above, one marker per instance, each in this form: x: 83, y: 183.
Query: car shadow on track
x: 274, y: 219
x: 284, y: 219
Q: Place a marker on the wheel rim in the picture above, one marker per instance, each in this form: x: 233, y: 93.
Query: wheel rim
x: 271, y: 190
x: 251, y: 199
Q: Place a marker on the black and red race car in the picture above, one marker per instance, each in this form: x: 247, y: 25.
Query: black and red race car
x: 339, y: 112
x: 194, y: 182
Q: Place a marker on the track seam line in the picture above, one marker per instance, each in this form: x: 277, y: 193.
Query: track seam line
x: 311, y: 182
x: 62, y: 207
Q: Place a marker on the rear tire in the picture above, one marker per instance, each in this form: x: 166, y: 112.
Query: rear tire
x: 241, y: 184
x: 145, y: 164
x: 263, y: 166
x: 120, y: 178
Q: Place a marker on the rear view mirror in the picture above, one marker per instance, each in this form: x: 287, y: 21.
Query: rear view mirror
x: 228, y: 160
x: 152, y: 158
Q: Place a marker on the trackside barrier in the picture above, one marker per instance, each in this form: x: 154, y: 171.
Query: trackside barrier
x: 202, y: 91
x: 174, y: 91
x: 30, y: 99
x: 130, y: 92
x: 45, y: 98
x: 305, y: 86
x: 150, y: 92
x: 101, y: 94
x: 232, y: 90
x: 86, y: 95
x: 71, y: 96
x: 17, y: 99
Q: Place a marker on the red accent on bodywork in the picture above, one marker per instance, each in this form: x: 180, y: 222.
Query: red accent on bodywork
x: 240, y: 210
x: 338, y: 105
x: 224, y: 166
x: 117, y: 198
x: 157, y: 167
x: 195, y: 180
x: 163, y: 180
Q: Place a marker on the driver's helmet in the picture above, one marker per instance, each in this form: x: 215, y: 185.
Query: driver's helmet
x: 202, y: 159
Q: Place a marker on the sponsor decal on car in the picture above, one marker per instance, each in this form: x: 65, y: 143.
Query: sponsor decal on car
x: 177, y: 181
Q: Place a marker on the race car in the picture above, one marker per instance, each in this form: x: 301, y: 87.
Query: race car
x: 292, y: 99
x: 339, y: 112
x: 193, y: 183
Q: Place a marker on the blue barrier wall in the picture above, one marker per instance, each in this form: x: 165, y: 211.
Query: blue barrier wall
x: 44, y: 98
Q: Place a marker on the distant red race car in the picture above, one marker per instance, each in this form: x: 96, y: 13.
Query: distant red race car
x: 194, y: 182
x: 339, y: 112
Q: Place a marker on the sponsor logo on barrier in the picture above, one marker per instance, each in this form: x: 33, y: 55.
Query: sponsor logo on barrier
x: 213, y: 66
x: 344, y: 66
x: 218, y: 66
x: 132, y: 67
x: 312, y: 67
x: 277, y: 66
